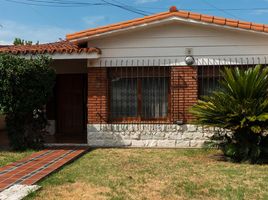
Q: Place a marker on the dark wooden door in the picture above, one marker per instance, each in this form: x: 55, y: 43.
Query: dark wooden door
x: 71, y: 105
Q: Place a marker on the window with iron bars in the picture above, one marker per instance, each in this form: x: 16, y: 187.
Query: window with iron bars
x: 139, y: 94
x: 209, y: 77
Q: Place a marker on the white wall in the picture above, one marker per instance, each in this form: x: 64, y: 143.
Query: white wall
x: 168, y: 44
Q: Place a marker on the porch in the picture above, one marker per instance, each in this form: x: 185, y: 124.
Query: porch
x: 67, y: 109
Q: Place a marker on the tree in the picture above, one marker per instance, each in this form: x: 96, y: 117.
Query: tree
x: 240, y: 105
x: 25, y: 87
x: 19, y: 41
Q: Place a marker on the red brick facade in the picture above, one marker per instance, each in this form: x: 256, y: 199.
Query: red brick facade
x: 184, y: 92
x: 97, y: 95
x: 183, y: 88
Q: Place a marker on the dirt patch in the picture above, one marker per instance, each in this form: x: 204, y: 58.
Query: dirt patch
x: 74, y: 191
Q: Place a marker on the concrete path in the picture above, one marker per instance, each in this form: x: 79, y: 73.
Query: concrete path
x: 37, y: 166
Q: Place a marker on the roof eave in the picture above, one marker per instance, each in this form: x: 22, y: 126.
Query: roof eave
x: 65, y: 56
x: 169, y: 19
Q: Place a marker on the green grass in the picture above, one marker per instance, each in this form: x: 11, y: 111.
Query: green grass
x: 7, y: 157
x: 118, y: 174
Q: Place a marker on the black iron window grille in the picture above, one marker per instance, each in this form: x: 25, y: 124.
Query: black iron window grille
x: 139, y: 94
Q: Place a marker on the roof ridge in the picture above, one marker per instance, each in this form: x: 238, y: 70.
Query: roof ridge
x: 173, y: 11
x: 119, y: 23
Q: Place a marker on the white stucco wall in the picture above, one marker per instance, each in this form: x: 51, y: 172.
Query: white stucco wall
x: 168, y: 43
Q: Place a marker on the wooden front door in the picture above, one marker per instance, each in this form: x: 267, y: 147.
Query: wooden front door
x: 71, y: 106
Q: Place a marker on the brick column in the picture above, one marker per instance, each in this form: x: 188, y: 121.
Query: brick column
x: 97, y: 95
x: 184, y: 92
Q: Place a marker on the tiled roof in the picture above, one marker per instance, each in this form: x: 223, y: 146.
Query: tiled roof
x: 173, y: 12
x: 49, y: 48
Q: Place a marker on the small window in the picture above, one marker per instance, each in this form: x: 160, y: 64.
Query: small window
x: 208, y: 85
x: 139, y: 95
x: 208, y: 79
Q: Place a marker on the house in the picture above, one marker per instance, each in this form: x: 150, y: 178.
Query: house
x: 131, y: 84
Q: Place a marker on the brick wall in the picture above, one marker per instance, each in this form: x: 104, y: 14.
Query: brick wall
x: 97, y: 95
x: 184, y: 92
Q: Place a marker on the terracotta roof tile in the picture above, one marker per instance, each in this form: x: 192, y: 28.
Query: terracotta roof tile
x: 173, y: 9
x: 244, y: 25
x: 219, y: 21
x: 49, y: 48
x: 173, y: 12
x: 195, y: 16
x: 207, y: 18
x: 232, y: 23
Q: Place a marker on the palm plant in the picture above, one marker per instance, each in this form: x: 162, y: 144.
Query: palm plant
x: 240, y: 105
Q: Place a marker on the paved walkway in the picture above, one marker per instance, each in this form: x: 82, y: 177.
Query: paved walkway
x: 37, y: 166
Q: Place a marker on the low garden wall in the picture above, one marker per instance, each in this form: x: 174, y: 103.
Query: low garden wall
x: 148, y: 135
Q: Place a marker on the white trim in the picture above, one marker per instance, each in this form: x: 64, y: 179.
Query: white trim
x: 66, y: 56
x: 170, y: 19
x: 180, y: 61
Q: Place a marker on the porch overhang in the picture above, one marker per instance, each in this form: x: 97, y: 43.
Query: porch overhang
x: 63, y: 50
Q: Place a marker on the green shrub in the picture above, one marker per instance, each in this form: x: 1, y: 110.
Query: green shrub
x: 25, y: 87
x: 240, y: 105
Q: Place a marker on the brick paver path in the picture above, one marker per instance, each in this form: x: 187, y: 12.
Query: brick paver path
x: 37, y: 166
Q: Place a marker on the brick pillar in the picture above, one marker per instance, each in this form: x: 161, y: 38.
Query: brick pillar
x: 184, y: 92
x: 97, y: 95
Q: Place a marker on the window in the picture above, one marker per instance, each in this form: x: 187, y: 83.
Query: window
x: 208, y: 85
x: 208, y: 79
x: 139, y: 94
x: 154, y: 97
x: 124, y: 101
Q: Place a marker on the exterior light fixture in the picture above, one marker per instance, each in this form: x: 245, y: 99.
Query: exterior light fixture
x: 189, y: 60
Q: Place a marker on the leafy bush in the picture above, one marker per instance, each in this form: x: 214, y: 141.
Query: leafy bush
x: 240, y: 105
x: 25, y: 87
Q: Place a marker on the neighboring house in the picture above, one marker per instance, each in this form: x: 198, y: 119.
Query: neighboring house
x: 132, y: 83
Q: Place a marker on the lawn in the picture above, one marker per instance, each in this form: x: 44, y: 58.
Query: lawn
x: 155, y: 174
x: 7, y: 157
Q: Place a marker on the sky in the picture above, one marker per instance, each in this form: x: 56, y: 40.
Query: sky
x: 51, y: 23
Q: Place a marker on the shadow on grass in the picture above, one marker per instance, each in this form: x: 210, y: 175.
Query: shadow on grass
x: 220, y: 157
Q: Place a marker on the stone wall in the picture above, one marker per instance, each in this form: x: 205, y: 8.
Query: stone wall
x: 148, y: 135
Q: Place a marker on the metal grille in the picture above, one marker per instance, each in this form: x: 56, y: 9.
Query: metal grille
x: 209, y: 77
x: 140, y: 94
